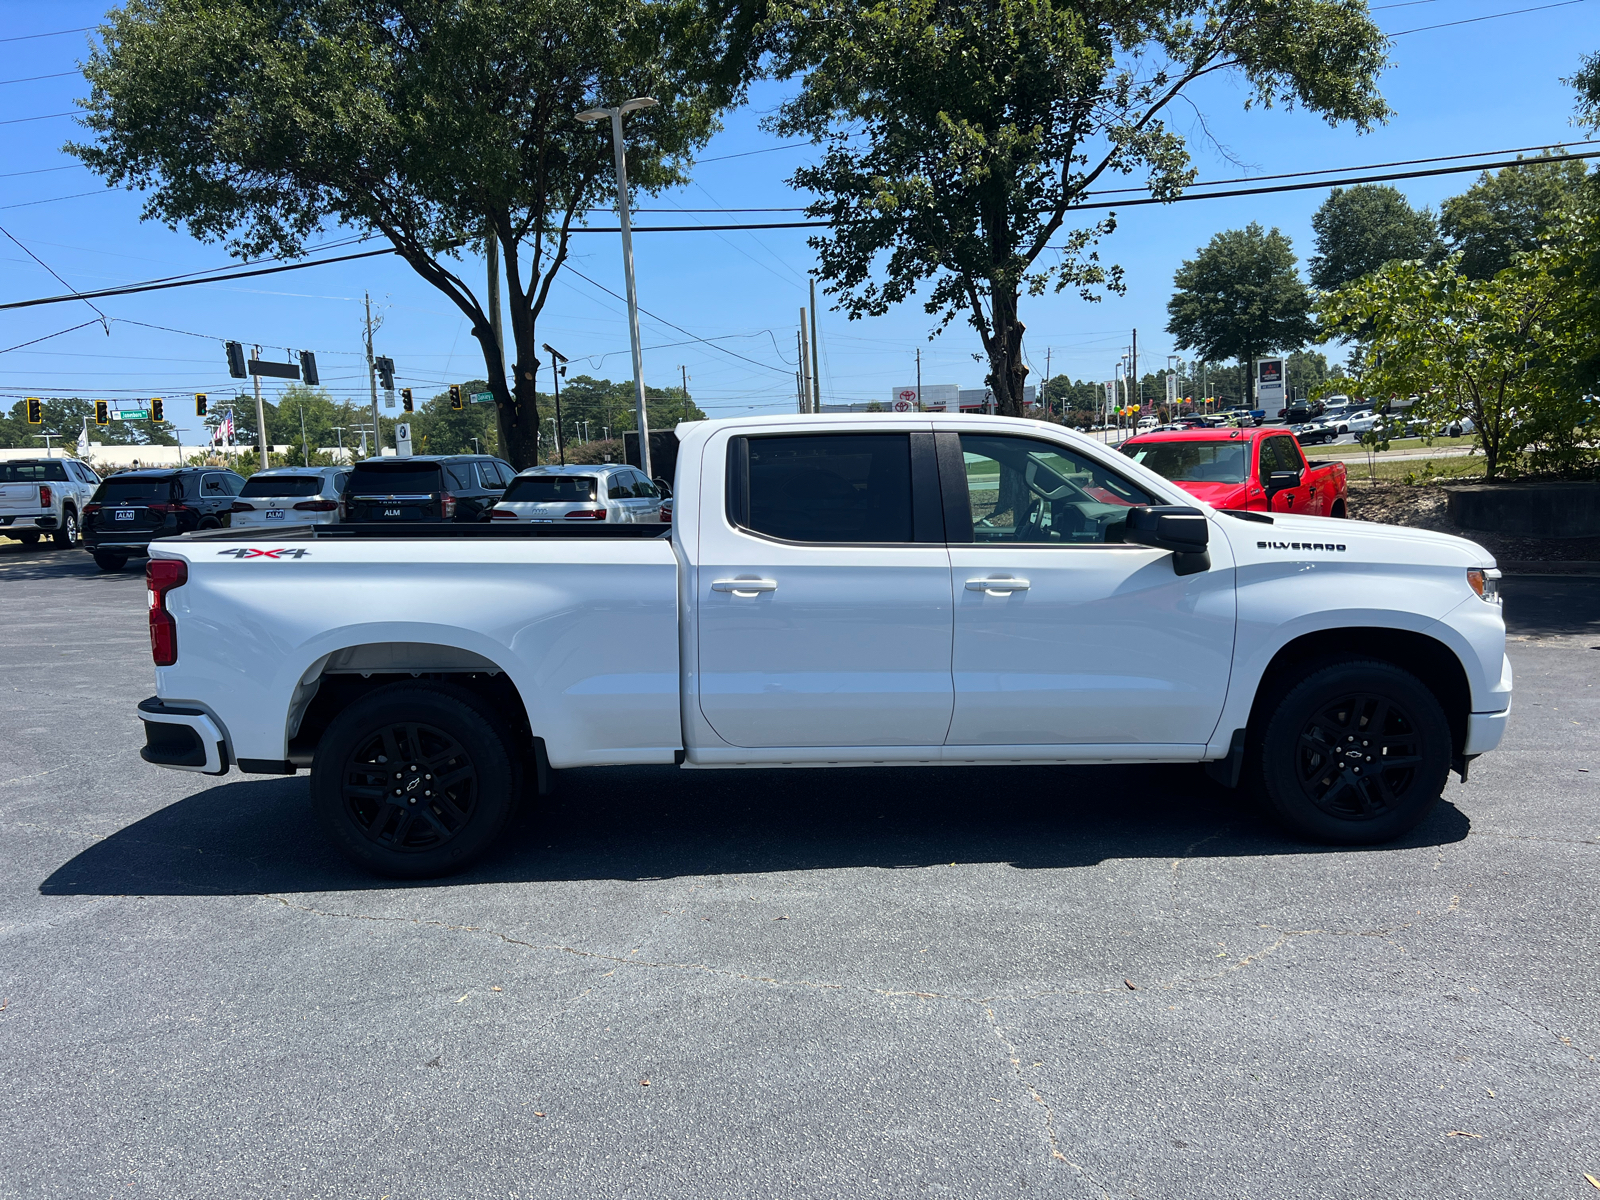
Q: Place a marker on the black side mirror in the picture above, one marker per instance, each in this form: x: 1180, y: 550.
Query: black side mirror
x: 1282, y: 481
x: 1176, y: 527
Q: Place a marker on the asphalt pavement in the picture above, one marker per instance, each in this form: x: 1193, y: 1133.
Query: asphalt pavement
x: 974, y: 982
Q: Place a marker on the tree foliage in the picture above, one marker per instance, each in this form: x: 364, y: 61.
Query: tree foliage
x: 1362, y: 228
x: 960, y: 134
x: 66, y: 417
x: 1509, y: 211
x: 431, y: 123
x: 1241, y: 297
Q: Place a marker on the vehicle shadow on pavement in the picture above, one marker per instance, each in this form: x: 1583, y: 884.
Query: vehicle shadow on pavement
x: 633, y: 823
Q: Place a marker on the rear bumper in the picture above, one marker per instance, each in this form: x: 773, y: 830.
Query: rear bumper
x: 116, y: 545
x: 183, y: 738
x: 34, y: 521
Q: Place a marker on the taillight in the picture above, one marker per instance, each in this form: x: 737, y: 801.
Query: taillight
x: 161, y: 575
x: 502, y: 514
x: 447, y: 506
x: 164, y: 509
x: 315, y: 505
x: 45, y: 495
x: 666, y: 514
x: 241, y: 506
x: 89, y: 510
x: 587, y: 514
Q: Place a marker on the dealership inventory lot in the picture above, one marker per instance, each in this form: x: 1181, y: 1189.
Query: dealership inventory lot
x: 975, y: 982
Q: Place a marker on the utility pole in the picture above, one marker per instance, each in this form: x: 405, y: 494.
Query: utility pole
x: 305, y: 449
x: 372, y: 383
x: 919, y: 379
x: 557, y: 366
x: 1138, y: 387
x: 805, y: 365
x: 261, y: 418
x: 621, y: 155
x: 816, y: 371
x: 685, y: 372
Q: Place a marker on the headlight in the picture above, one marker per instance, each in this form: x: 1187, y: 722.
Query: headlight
x: 1486, y: 583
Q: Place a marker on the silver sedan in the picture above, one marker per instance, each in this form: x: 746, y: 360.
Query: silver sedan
x: 598, y: 492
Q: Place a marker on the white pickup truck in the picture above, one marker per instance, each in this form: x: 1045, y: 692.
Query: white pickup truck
x: 833, y: 591
x: 45, y: 496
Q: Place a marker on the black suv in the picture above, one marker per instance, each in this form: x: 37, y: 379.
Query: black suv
x: 133, y: 508
x: 426, y: 487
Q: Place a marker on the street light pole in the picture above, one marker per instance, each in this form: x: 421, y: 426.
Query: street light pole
x: 558, y: 367
x: 621, y: 153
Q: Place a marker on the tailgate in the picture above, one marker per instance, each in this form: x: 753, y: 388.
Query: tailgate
x: 19, y: 498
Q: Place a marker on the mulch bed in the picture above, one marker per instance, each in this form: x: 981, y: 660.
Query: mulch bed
x: 1422, y: 506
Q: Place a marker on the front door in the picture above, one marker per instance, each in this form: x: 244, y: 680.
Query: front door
x: 1282, y: 453
x: 1063, y: 633
x: 823, y: 591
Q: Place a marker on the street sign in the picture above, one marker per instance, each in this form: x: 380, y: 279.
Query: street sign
x: 402, y: 439
x: 132, y: 414
x: 483, y: 397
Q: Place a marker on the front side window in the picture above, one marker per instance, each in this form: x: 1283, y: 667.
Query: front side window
x: 1026, y: 490
x: 643, y: 488
x: 213, y: 485
x: 1278, y: 454
x: 619, y: 486
x: 1194, y: 462
x: 823, y: 487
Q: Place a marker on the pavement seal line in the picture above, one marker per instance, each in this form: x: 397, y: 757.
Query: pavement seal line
x: 1177, y: 864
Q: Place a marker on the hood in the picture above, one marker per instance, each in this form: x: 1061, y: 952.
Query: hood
x: 1340, y: 539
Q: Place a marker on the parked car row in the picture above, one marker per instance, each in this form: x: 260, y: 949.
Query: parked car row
x: 119, y: 517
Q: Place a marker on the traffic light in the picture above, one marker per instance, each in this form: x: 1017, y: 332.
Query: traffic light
x: 385, y: 372
x: 405, y: 399
x: 36, y: 410
x: 308, y: 368
x: 199, y: 404
x: 102, y: 413
x: 455, y: 397
x: 155, y: 409
x: 236, y: 365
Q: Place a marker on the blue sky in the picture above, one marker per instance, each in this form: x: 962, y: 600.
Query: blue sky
x: 1479, y: 87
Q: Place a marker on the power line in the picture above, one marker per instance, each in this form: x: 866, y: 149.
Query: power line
x: 38, y: 171
x: 13, y: 239
x: 36, y: 78
x: 1516, y: 12
x: 53, y: 199
x: 748, y: 153
x: 28, y: 37
x: 49, y: 116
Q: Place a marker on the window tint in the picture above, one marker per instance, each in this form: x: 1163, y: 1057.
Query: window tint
x: 282, y: 485
x: 341, y: 481
x: 1194, y: 462
x: 550, y: 489
x: 643, y: 487
x: 460, y: 475
x: 403, y: 480
x: 489, y: 476
x: 1024, y: 490
x: 214, y: 485
x: 26, y: 472
x: 135, y: 491
x: 506, y: 472
x: 619, y: 486
x: 1279, y: 454
x: 827, y: 487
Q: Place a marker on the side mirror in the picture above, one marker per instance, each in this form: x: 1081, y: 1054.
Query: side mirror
x: 1282, y: 481
x: 1175, y: 527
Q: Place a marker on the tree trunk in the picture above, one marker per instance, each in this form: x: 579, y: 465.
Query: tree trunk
x: 1007, y: 372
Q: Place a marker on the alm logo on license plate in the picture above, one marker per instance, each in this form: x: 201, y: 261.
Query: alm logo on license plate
x: 274, y: 514
x: 124, y: 514
x: 391, y: 512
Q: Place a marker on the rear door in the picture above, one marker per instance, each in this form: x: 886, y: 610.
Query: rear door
x: 822, y: 591
x: 1064, y: 634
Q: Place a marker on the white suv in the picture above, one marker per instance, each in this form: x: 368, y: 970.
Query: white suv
x: 44, y: 495
x: 291, y: 496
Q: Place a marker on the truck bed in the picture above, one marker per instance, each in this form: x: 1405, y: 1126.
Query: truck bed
x: 356, y: 531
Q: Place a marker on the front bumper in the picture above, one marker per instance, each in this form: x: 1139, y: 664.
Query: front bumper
x: 183, y: 738
x: 1484, y: 731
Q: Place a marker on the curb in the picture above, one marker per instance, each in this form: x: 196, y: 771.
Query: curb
x: 1552, y: 567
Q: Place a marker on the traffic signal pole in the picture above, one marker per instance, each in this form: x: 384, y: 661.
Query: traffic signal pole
x: 261, y: 419
x: 372, y: 383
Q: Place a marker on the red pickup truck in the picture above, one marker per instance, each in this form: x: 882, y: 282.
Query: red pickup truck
x: 1258, y: 470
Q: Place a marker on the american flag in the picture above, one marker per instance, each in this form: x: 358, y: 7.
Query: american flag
x: 223, y: 435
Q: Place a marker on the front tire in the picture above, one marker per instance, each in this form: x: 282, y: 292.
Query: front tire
x: 1354, y: 754
x: 414, y: 782
x: 66, y: 537
x: 110, y: 562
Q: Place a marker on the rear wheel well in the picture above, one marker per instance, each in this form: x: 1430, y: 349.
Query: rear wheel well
x: 1429, y: 659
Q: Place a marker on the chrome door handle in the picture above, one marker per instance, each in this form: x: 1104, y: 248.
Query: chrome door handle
x: 997, y: 585
x: 745, y: 587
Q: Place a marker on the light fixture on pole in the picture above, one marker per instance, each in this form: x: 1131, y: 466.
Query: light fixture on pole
x: 621, y: 153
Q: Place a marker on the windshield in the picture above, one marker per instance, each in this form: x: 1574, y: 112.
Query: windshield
x: 1193, y: 462
x: 135, y: 491
x: 26, y: 472
x: 395, y: 481
x: 282, y: 485
x: 551, y: 489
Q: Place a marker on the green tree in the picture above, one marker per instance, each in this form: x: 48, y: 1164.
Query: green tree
x: 434, y: 125
x: 437, y: 429
x: 1495, y: 350
x: 1360, y: 229
x: 960, y: 133
x: 66, y: 417
x: 1241, y: 297
x: 1509, y: 211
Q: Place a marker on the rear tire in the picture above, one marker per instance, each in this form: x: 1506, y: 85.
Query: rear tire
x: 66, y: 537
x: 414, y: 781
x: 1354, y: 754
x: 110, y: 562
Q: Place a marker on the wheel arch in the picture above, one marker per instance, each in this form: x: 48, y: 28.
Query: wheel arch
x: 1429, y: 659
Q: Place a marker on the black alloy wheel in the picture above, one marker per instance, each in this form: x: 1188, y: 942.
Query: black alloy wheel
x: 414, y: 780
x: 66, y: 537
x: 1356, y: 753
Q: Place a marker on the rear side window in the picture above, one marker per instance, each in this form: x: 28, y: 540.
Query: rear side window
x: 214, y: 484
x: 460, y: 475
x: 823, y: 487
x: 24, y: 472
x: 619, y: 486
x: 395, y: 481
x: 551, y: 489
x: 282, y: 485
x: 489, y: 476
x: 135, y: 491
x: 643, y: 487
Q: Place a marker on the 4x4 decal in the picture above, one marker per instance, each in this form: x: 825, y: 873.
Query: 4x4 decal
x: 285, y: 553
